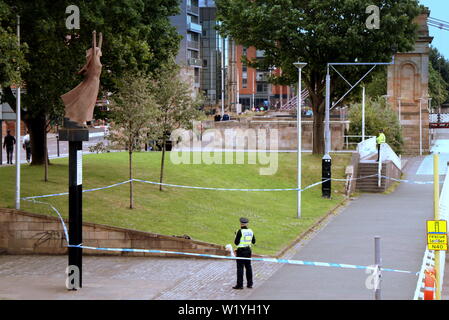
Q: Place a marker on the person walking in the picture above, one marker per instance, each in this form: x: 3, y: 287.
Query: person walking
x: 379, y: 140
x: 8, y: 144
x: 244, y: 238
x: 27, y: 146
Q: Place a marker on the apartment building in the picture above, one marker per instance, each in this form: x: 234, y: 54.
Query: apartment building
x: 188, y: 25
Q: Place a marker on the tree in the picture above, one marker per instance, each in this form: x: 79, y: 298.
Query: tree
x: 132, y: 112
x: 138, y: 36
x: 318, y: 32
x: 378, y: 116
x: 12, y: 57
x: 438, y: 77
x: 177, y: 104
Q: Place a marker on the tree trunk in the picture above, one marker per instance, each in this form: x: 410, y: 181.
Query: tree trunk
x: 318, y: 133
x: 37, y: 128
x: 162, y: 164
x: 131, y: 195
x: 46, y: 158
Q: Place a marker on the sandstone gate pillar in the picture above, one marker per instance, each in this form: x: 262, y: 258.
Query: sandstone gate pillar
x: 408, y: 90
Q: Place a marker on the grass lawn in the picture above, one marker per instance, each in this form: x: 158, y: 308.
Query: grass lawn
x: 204, y: 215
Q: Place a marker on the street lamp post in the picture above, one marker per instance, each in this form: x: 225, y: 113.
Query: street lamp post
x: 18, y: 108
x: 299, y: 65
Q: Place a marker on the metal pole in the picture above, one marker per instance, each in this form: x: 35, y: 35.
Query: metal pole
x: 399, y: 116
x: 420, y: 127
x: 222, y: 76
x: 75, y: 206
x: 363, y: 113
x: 378, y: 263
x: 254, y: 85
x: 436, y: 205
x: 299, y: 65
x: 18, y: 108
x: 327, y: 113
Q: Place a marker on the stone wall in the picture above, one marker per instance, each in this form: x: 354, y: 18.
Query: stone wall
x: 29, y: 233
x: 222, y: 134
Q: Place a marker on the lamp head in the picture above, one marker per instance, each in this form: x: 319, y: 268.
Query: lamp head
x: 299, y: 65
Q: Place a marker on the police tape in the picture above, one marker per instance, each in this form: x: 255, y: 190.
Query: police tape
x: 66, y: 193
x: 64, y: 227
x: 274, y: 260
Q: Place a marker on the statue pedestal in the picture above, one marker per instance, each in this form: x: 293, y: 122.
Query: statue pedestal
x: 75, y: 137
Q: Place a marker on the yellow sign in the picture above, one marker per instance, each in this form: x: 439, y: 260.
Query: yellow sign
x: 437, y: 235
x: 436, y: 226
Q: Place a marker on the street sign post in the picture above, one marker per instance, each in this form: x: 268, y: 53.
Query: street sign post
x: 437, y: 235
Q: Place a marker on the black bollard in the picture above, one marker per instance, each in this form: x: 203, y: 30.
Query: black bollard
x: 326, y: 165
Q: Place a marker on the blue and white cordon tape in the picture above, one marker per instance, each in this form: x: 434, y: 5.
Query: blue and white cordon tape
x: 274, y: 260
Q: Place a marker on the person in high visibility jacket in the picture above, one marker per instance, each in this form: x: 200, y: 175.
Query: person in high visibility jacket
x: 244, y: 238
x: 379, y: 140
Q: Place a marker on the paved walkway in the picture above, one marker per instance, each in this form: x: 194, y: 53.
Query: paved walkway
x: 398, y: 218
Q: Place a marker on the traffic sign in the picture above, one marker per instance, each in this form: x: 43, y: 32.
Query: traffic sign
x: 437, y: 234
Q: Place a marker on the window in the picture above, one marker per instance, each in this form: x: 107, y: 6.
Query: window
x: 204, y: 63
x: 244, y: 83
x: 244, y: 51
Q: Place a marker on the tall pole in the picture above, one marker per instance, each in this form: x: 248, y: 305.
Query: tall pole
x: 363, y: 113
x: 399, y: 111
x: 378, y: 263
x: 436, y: 205
x: 254, y: 86
x: 327, y: 113
x: 299, y: 65
x: 18, y: 108
x: 420, y: 127
x: 222, y: 75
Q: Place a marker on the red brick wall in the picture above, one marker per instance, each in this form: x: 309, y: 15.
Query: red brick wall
x: 11, y: 125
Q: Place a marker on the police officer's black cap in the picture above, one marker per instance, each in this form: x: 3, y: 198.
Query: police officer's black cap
x: 243, y: 220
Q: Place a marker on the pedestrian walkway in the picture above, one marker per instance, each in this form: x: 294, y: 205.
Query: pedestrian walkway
x: 398, y: 218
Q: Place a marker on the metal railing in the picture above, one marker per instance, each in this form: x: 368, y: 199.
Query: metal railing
x: 347, y: 143
x: 193, y: 9
x: 193, y: 44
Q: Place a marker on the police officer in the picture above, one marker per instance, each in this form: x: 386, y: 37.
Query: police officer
x: 243, y: 240
x: 379, y: 140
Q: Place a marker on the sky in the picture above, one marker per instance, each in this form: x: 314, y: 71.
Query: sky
x: 439, y: 9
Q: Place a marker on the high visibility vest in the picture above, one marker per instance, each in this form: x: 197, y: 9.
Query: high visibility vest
x: 380, y: 139
x: 246, y: 238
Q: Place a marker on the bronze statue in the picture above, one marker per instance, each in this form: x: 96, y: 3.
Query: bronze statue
x: 80, y: 101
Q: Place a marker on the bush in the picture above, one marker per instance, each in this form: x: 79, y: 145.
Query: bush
x: 378, y: 116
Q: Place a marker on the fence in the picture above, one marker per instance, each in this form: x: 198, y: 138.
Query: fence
x: 429, y: 256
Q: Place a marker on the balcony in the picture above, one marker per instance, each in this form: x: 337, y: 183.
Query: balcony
x: 195, y: 62
x: 195, y: 27
x: 193, y: 45
x: 193, y: 9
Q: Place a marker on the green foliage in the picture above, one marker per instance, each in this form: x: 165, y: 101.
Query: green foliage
x: 319, y: 32
x: 438, y: 77
x: 438, y: 88
x: 12, y: 57
x: 378, y: 116
x: 133, y: 112
x: 377, y: 87
x: 177, y: 103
